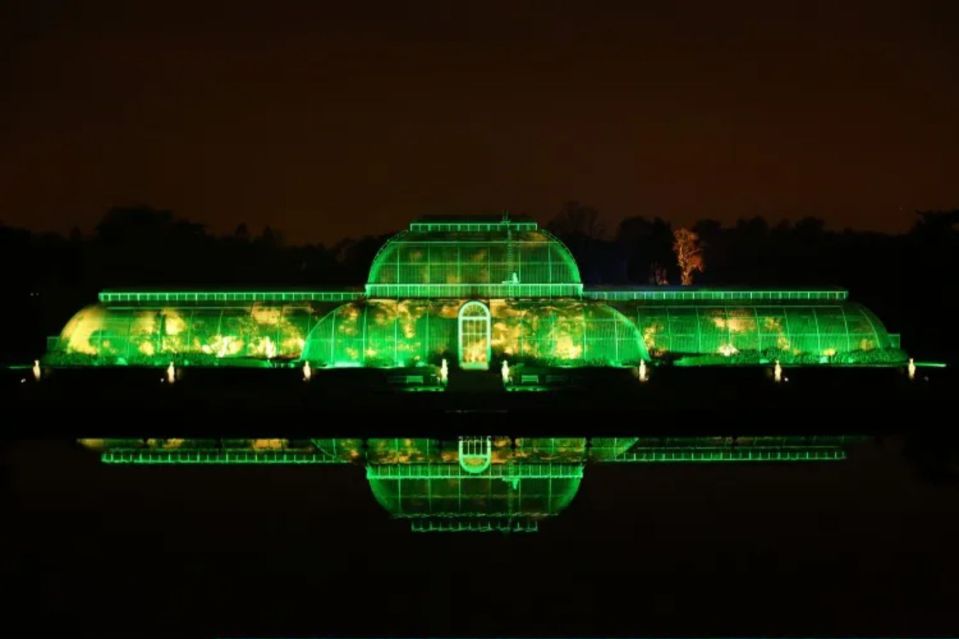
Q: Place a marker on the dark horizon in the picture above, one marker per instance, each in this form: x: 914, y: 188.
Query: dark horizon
x: 330, y: 122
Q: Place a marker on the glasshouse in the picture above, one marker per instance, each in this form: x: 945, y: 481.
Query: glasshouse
x: 473, y: 294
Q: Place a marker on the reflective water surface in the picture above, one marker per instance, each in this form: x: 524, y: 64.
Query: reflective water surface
x: 865, y: 545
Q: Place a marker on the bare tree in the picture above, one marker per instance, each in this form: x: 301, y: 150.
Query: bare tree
x: 689, y: 255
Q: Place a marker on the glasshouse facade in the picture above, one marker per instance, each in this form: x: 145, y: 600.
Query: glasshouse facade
x: 474, y: 293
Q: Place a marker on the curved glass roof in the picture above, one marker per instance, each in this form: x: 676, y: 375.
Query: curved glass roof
x: 476, y: 256
x: 389, y: 333
x: 193, y: 334
x: 843, y: 333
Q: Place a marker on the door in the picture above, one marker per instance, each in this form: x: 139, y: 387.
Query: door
x: 474, y: 336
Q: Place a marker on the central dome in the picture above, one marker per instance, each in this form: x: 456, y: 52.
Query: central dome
x: 447, y: 253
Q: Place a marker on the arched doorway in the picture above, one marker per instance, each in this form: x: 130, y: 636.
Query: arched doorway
x: 474, y: 336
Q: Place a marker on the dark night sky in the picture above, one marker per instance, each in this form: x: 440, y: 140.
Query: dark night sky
x: 331, y: 119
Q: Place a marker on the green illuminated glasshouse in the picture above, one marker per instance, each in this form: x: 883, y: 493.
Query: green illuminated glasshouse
x: 474, y: 484
x: 474, y: 293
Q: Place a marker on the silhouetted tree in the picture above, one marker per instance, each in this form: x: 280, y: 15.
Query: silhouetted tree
x: 582, y: 231
x: 658, y: 275
x: 577, y: 220
x: 647, y: 245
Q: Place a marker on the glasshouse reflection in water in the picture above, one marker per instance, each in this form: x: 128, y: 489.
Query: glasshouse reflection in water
x: 476, y: 483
